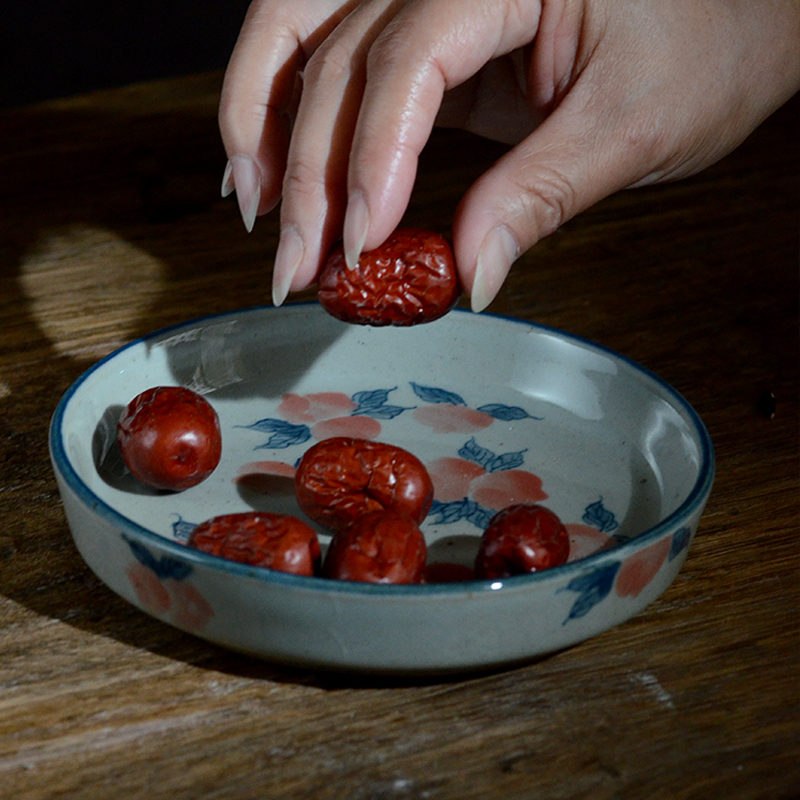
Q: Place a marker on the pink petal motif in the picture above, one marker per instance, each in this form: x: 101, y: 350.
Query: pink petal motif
x: 295, y: 409
x: 497, y: 490
x: 451, y: 418
x: 359, y: 427
x: 452, y: 477
x: 640, y: 569
x: 325, y: 405
x: 315, y: 406
x: 584, y: 540
x: 149, y: 589
x: 191, y: 609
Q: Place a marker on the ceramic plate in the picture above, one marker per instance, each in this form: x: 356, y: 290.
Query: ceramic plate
x: 501, y: 411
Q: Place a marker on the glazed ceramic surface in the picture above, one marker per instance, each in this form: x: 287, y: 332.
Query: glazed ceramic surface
x: 500, y: 411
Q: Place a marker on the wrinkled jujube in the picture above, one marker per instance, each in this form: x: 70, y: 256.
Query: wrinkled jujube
x: 411, y: 278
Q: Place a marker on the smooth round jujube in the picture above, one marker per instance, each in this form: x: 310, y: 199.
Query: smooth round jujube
x: 170, y: 438
x: 260, y: 539
x: 521, y: 539
x: 340, y: 479
x: 380, y: 547
x: 410, y: 279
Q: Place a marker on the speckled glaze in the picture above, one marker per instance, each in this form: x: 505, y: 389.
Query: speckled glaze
x: 500, y: 411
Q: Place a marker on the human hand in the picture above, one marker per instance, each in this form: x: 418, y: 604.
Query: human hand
x: 595, y: 96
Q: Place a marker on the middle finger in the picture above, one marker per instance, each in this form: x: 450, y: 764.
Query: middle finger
x: 314, y: 189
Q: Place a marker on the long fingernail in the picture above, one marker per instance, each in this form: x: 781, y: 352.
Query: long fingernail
x: 287, y: 262
x: 227, y: 179
x: 356, y: 228
x: 241, y: 174
x: 498, y: 252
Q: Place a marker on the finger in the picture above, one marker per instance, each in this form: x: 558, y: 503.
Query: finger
x: 428, y: 47
x: 315, y: 181
x: 580, y: 154
x: 260, y: 93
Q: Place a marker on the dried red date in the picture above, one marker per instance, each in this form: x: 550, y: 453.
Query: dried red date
x: 381, y: 547
x: 170, y: 438
x: 340, y: 479
x: 260, y: 539
x: 521, y: 539
x: 411, y: 278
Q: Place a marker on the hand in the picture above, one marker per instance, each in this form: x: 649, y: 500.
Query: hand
x: 328, y: 103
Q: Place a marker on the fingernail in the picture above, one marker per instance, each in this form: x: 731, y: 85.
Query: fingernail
x: 356, y: 227
x: 241, y: 174
x: 287, y: 262
x: 227, y: 179
x: 498, y: 252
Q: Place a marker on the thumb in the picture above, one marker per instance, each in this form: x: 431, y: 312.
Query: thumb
x: 565, y: 166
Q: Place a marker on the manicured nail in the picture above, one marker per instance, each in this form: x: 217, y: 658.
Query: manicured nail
x: 498, y: 252
x: 227, y: 179
x: 241, y: 174
x: 356, y: 227
x: 287, y: 262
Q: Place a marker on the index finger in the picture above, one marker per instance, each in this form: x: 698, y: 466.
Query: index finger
x: 261, y: 85
x: 429, y: 47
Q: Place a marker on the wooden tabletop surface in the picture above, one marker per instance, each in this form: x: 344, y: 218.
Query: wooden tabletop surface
x: 112, y: 226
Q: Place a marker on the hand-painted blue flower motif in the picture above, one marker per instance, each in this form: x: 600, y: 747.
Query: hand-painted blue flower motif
x: 372, y: 403
x: 490, y: 461
x: 164, y: 567
x: 506, y: 413
x: 598, y: 516
x: 456, y: 510
x: 592, y: 587
x: 430, y: 394
x: 284, y: 434
x: 680, y: 541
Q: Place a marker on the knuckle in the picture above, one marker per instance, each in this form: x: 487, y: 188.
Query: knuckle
x: 645, y: 139
x: 303, y: 181
x: 548, y: 200
x: 331, y: 63
x: 389, y: 48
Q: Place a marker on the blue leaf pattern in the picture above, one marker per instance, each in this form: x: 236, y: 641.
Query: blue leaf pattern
x: 372, y: 398
x: 506, y: 413
x: 447, y: 513
x: 592, y: 587
x: 164, y: 567
x: 372, y: 403
x: 284, y: 434
x: 491, y: 462
x: 598, y: 516
x: 380, y: 412
x: 431, y: 394
x: 680, y: 541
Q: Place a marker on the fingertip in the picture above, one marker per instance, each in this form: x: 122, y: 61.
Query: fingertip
x: 243, y: 176
x: 288, y: 258
x: 227, y: 179
x: 498, y: 251
x: 355, y: 228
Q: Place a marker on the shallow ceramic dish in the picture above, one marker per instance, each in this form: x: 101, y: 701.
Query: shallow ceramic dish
x: 501, y: 411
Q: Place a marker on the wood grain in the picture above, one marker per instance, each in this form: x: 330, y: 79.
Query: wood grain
x: 112, y: 226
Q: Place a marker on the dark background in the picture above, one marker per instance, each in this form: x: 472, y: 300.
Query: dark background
x: 53, y: 48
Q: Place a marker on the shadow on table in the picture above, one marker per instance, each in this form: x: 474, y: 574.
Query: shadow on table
x: 129, y: 184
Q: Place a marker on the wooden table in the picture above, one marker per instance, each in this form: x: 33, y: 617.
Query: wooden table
x: 112, y: 226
